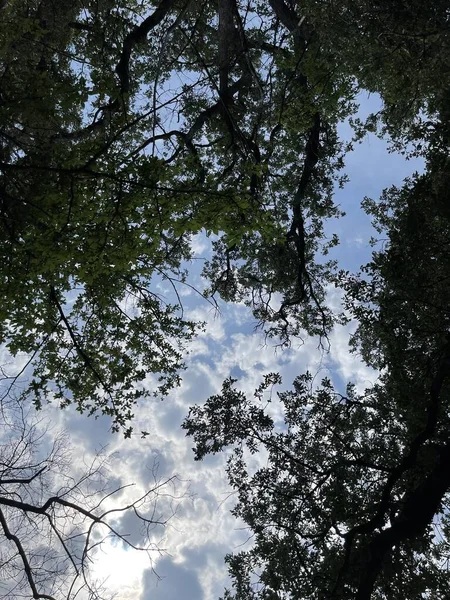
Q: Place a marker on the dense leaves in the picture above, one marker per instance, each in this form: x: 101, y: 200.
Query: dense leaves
x: 353, y: 497
x: 398, y: 49
x: 353, y: 501
x: 344, y: 506
x: 127, y: 127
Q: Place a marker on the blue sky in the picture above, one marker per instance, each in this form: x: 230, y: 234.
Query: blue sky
x: 202, y: 530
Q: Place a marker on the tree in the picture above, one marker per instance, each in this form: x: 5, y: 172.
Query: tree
x: 111, y: 160
x: 396, y: 49
x: 354, y: 500
x: 127, y: 128
x: 56, y: 515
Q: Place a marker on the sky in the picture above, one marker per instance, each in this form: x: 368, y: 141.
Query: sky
x: 192, y: 546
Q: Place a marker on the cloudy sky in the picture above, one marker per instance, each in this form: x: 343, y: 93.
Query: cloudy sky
x: 202, y: 530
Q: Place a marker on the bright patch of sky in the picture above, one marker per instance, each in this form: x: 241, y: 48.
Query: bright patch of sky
x: 371, y: 169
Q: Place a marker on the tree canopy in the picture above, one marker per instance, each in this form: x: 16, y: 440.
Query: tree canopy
x: 353, y: 501
x: 129, y: 127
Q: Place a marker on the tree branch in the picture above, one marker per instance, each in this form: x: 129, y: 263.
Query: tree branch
x: 26, y: 564
x: 134, y: 37
x: 22, y: 480
x: 405, y: 525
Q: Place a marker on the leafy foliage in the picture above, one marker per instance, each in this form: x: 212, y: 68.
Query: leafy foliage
x: 351, y: 499
x: 128, y: 127
x: 111, y: 159
x: 344, y: 506
x: 396, y: 49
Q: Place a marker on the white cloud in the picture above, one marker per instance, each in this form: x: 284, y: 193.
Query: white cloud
x: 346, y: 364
x: 200, y: 245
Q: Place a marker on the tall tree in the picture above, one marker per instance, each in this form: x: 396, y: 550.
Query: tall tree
x: 399, y: 50
x: 111, y: 159
x: 126, y: 128
x: 353, y: 501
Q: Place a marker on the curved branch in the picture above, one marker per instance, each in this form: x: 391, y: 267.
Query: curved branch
x: 134, y: 37
x: 22, y: 479
x: 297, y: 228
